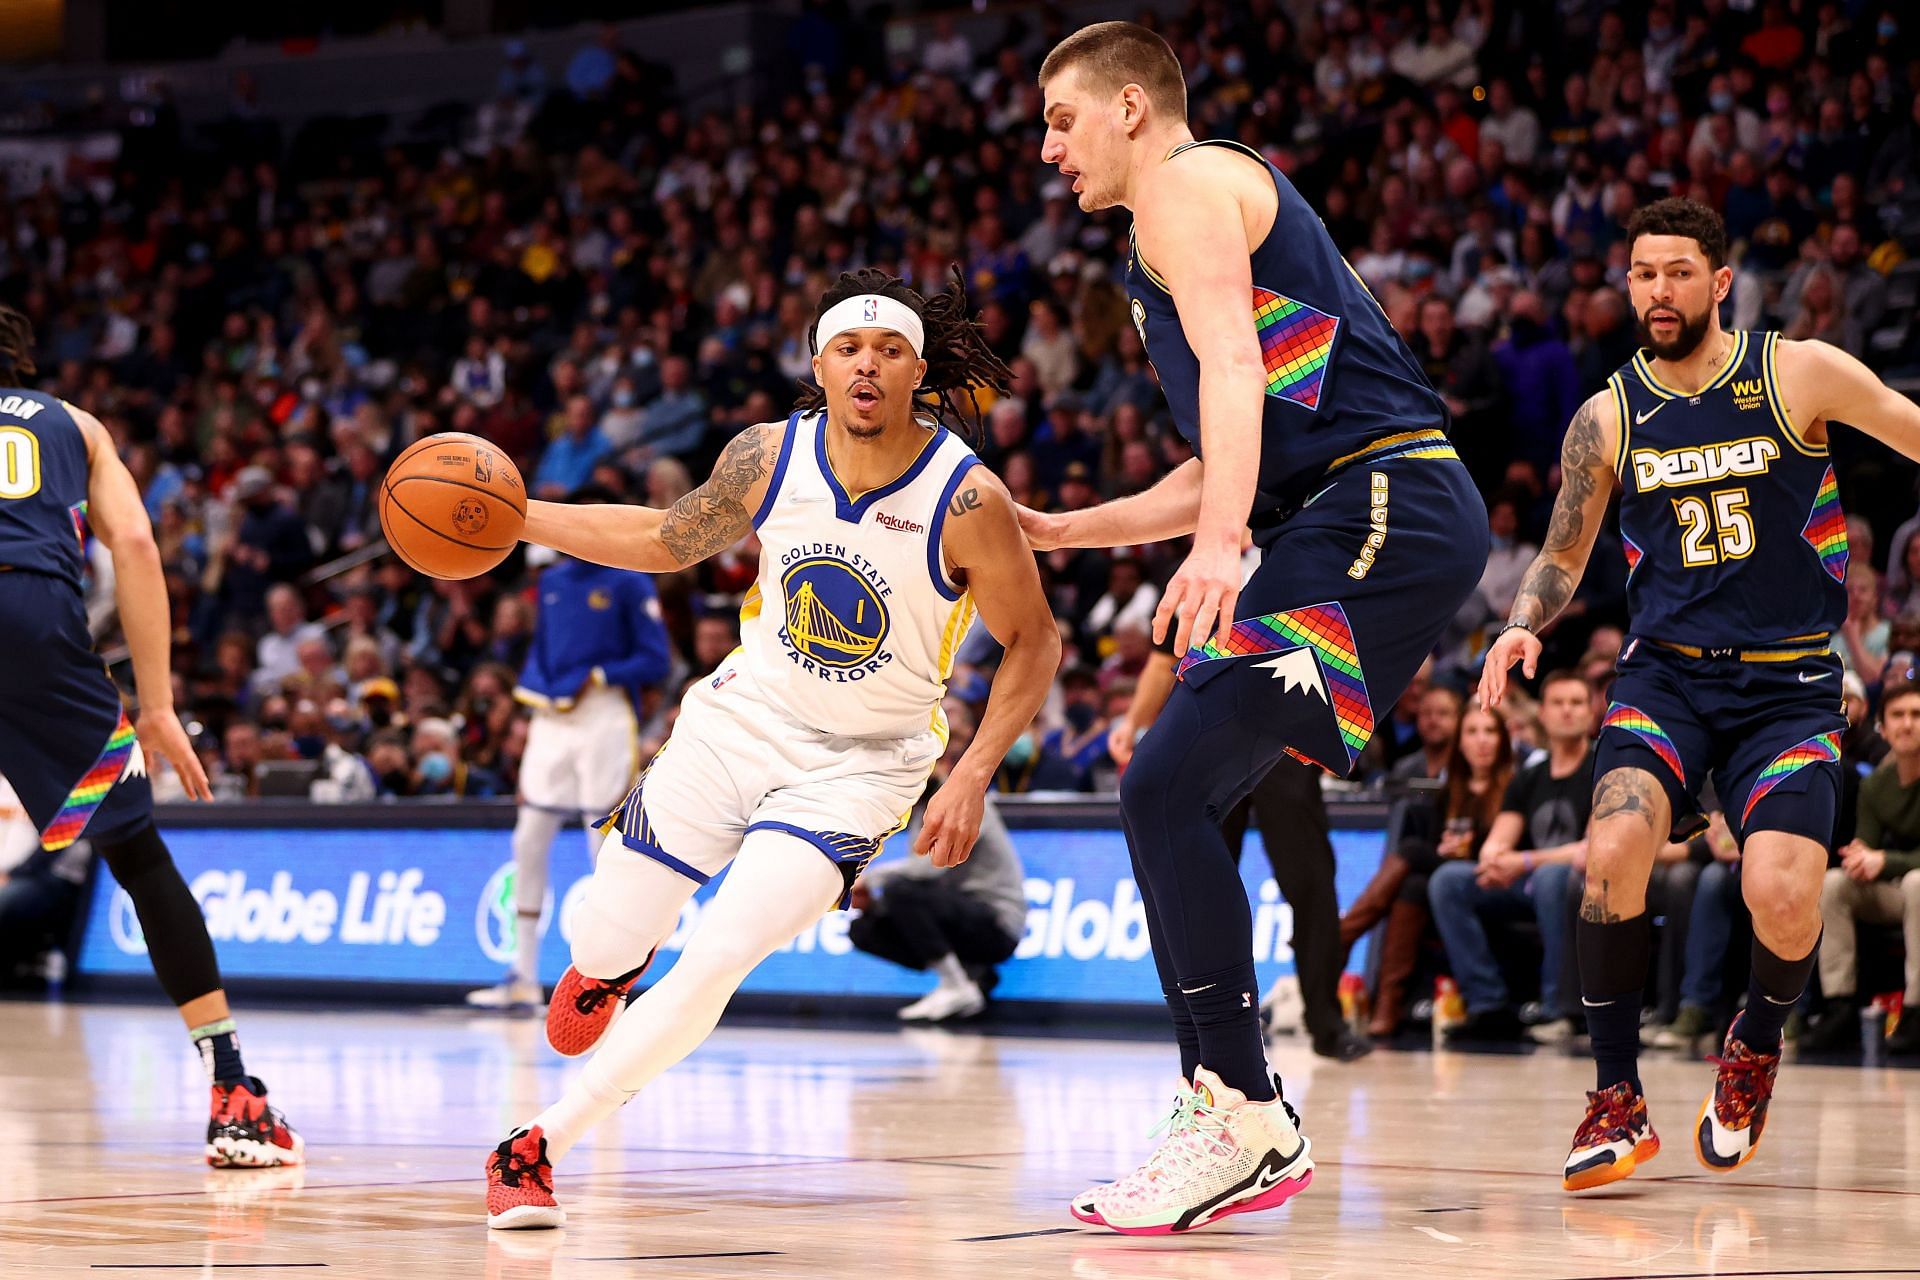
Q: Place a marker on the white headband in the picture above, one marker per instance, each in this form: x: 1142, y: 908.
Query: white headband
x: 870, y: 311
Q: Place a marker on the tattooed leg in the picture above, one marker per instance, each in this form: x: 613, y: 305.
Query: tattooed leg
x: 1631, y: 819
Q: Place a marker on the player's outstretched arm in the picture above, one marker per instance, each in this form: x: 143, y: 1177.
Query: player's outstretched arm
x: 1586, y: 485
x: 710, y: 519
x: 119, y: 519
x: 1820, y: 382
x: 1170, y: 509
x: 983, y: 541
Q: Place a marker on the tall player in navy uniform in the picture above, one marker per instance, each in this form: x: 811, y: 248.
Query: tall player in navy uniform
x: 67, y: 745
x: 1314, y: 424
x: 1737, y: 557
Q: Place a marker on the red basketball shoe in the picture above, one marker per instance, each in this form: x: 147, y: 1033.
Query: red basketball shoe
x: 520, y: 1184
x: 245, y: 1133
x: 581, y: 1007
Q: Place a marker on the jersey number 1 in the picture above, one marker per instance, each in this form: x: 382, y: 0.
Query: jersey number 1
x: 1714, y: 528
x: 19, y: 463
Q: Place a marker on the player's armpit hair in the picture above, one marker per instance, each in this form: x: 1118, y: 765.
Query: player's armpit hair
x: 959, y: 361
x: 714, y: 516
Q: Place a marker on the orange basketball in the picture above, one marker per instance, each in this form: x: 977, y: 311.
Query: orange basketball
x: 452, y: 505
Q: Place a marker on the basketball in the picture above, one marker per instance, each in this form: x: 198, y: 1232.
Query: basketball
x: 452, y: 506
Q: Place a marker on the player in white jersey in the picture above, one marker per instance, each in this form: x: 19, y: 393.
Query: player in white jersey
x: 880, y: 535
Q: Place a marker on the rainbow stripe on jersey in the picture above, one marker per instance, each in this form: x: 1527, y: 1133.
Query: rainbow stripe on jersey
x: 1296, y: 341
x: 1826, y: 530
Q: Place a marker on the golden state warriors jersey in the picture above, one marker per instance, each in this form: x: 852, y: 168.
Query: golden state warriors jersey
x: 1730, y: 518
x: 852, y: 626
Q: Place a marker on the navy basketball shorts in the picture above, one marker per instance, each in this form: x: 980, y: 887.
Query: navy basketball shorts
x: 66, y: 744
x: 1350, y: 598
x: 1765, y: 725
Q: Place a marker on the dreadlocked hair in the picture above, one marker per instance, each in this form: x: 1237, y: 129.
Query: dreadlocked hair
x: 958, y: 358
x: 16, y: 347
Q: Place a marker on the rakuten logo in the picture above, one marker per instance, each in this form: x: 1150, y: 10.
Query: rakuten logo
x: 390, y: 909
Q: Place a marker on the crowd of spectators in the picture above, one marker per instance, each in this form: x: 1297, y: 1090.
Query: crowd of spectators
x: 608, y: 285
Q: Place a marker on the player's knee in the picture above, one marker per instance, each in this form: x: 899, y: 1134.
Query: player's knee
x: 1779, y: 899
x: 1910, y: 890
x: 135, y: 855
x: 605, y: 944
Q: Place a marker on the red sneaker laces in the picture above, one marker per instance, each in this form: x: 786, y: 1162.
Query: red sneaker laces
x: 514, y: 1166
x: 1610, y: 1118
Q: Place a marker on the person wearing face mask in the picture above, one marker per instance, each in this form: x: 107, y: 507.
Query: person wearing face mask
x: 438, y: 769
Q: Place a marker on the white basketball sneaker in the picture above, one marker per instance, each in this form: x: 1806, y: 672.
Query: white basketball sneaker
x: 1228, y: 1155
x: 1184, y: 1102
x: 946, y: 1003
x: 514, y: 993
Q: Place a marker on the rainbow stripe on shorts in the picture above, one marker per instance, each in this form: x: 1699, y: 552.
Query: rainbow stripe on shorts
x: 1324, y: 629
x: 84, y: 800
x: 1821, y: 749
x: 1644, y: 727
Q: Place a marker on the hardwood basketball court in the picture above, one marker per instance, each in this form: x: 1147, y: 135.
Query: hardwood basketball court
x: 895, y: 1155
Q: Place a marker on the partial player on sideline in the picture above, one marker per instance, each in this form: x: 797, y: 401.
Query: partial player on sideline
x: 880, y: 534
x: 66, y: 744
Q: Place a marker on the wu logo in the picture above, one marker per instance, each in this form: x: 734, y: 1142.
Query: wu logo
x: 834, y: 615
x: 1748, y: 387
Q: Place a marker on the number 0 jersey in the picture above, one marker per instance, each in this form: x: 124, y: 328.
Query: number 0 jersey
x: 1730, y: 518
x: 43, y: 484
x: 852, y: 626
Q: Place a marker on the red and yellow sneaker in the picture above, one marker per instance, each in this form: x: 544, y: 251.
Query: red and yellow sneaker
x: 245, y: 1133
x: 1734, y: 1114
x: 1615, y: 1139
x: 581, y: 1007
x: 520, y: 1184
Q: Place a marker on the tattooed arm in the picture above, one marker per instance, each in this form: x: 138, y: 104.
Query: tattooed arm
x: 710, y: 519
x: 1586, y: 485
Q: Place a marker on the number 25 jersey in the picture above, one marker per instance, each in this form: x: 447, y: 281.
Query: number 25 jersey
x: 1730, y: 519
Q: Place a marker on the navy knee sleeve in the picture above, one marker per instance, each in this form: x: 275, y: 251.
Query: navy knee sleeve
x: 176, y: 932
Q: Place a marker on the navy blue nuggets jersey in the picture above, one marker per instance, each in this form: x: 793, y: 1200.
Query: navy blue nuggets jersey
x: 1339, y: 380
x: 43, y: 484
x: 1731, y: 519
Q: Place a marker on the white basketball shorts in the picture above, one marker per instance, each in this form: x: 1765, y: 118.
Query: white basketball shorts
x: 581, y: 760
x: 736, y: 763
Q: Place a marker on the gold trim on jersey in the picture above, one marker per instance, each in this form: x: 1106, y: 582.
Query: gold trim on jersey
x: 1133, y: 248
x: 1644, y: 368
x: 1770, y: 376
x: 1618, y: 385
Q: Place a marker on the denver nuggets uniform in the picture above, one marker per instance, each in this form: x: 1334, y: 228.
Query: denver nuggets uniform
x: 826, y: 721
x: 598, y: 642
x: 65, y: 742
x: 1372, y: 531
x: 1737, y: 563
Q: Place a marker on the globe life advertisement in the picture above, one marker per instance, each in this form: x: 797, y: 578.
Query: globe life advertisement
x: 427, y: 906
